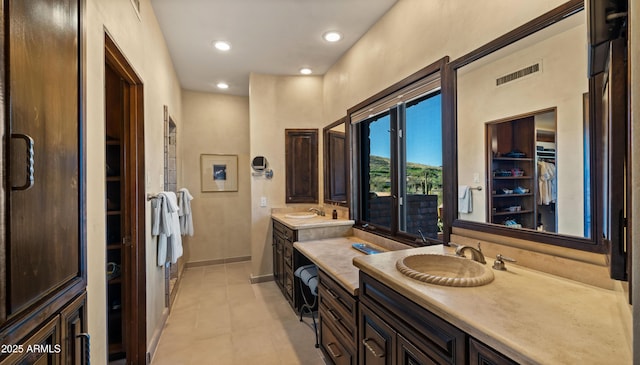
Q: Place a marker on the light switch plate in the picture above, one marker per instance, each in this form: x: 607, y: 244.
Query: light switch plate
x: 263, y: 201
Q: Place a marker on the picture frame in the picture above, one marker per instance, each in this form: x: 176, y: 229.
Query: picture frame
x: 218, y: 173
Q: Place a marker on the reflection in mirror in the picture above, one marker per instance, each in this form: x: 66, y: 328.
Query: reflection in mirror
x: 335, y: 163
x: 532, y: 165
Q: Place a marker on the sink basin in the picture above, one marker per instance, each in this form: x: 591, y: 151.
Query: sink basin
x: 300, y: 215
x: 445, y: 270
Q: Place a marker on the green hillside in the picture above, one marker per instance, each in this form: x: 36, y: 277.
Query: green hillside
x: 421, y: 179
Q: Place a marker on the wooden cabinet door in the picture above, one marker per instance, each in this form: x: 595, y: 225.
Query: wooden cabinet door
x: 43, y: 248
x: 377, y: 339
x: 73, y: 328
x: 481, y: 354
x: 301, y: 152
x: 43, y: 348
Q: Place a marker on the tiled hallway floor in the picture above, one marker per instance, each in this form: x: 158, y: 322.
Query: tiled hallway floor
x: 220, y: 318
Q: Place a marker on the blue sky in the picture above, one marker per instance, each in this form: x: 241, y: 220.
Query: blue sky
x: 424, y: 131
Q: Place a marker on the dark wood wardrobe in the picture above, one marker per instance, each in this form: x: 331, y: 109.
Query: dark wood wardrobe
x: 42, y: 250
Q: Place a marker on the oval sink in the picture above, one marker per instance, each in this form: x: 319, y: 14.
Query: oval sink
x: 445, y: 270
x: 300, y: 215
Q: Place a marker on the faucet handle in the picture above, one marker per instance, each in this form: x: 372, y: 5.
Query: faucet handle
x: 498, y: 264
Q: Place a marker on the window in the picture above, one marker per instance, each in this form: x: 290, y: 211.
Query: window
x: 399, y: 163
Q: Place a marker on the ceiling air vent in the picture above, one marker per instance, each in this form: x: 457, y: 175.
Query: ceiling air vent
x: 518, y: 74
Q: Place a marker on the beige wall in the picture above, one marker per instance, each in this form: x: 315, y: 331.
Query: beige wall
x: 276, y: 103
x: 141, y: 41
x: 414, y: 34
x: 216, y: 124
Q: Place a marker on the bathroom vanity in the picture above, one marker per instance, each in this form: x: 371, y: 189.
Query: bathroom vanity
x: 299, y: 226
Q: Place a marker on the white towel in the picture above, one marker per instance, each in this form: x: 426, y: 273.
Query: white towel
x: 184, y: 203
x: 465, y: 200
x: 166, y: 225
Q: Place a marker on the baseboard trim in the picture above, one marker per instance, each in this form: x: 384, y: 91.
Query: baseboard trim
x: 155, y: 339
x: 261, y: 279
x: 217, y: 261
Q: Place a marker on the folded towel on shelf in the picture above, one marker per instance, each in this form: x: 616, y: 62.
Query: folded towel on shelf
x: 186, y: 220
x: 166, y: 225
x: 465, y: 200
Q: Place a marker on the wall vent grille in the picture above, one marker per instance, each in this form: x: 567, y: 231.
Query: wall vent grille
x: 518, y: 74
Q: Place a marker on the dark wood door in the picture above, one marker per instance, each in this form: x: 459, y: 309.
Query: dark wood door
x: 44, y: 211
x: 377, y: 339
x: 301, y: 151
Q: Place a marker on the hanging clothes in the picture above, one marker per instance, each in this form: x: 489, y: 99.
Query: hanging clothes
x: 546, y: 183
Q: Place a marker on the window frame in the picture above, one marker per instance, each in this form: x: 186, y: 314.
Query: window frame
x: 438, y: 68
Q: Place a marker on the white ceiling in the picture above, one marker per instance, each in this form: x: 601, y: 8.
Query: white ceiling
x: 275, y: 37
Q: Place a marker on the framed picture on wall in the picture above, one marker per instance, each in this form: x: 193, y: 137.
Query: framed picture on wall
x: 219, y: 173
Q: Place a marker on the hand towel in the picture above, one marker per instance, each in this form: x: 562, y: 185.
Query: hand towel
x: 186, y: 220
x: 465, y: 200
x: 168, y: 228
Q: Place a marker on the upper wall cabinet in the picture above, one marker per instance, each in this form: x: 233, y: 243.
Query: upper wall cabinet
x: 301, y: 151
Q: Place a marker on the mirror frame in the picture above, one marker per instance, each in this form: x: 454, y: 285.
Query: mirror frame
x: 327, y: 163
x: 592, y: 243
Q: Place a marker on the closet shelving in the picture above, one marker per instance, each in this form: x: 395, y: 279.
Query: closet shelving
x: 511, y: 173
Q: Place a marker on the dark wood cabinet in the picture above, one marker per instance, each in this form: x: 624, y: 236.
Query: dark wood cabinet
x: 338, y: 317
x: 481, y: 354
x: 283, y: 238
x: 42, y: 251
x: 301, y: 157
x: 512, y: 173
x: 395, y: 330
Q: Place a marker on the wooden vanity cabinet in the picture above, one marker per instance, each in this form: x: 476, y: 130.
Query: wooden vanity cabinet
x: 283, y: 238
x: 395, y: 330
x: 481, y: 354
x: 338, y: 315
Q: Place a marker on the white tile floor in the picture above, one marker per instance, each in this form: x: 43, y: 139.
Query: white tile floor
x: 220, y: 318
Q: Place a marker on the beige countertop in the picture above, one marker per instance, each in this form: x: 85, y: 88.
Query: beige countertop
x: 529, y: 316
x: 315, y: 222
x: 335, y: 257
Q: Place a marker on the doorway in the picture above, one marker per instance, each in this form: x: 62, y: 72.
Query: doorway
x: 125, y: 209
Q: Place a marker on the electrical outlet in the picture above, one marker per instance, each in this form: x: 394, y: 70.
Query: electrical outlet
x: 263, y: 201
x: 476, y: 177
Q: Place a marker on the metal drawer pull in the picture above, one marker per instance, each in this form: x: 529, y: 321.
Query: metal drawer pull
x: 333, y: 353
x: 30, y: 161
x: 373, y: 347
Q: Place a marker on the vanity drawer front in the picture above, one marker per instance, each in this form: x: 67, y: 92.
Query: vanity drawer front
x: 288, y: 285
x: 337, y: 298
x: 344, y: 325
x: 334, y: 345
x: 284, y: 231
x: 437, y: 339
x: 287, y: 249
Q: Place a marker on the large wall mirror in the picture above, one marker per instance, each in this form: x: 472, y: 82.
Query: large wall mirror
x: 525, y: 156
x: 336, y: 170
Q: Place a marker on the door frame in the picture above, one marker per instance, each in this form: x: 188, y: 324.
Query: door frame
x: 134, y: 242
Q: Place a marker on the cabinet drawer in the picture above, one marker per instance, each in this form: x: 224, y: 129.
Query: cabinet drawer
x: 481, y: 354
x: 342, y: 324
x: 284, y: 231
x: 336, y: 298
x: 438, y: 339
x: 333, y: 345
x: 287, y: 249
x: 288, y: 285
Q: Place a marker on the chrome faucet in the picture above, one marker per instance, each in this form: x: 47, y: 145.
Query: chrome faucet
x: 317, y: 211
x: 476, y: 253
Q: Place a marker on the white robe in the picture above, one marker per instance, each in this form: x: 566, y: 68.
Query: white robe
x: 166, y: 225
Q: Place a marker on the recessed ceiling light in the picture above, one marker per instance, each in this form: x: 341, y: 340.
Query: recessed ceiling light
x: 222, y: 85
x: 222, y: 45
x: 332, y: 36
x: 305, y: 71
